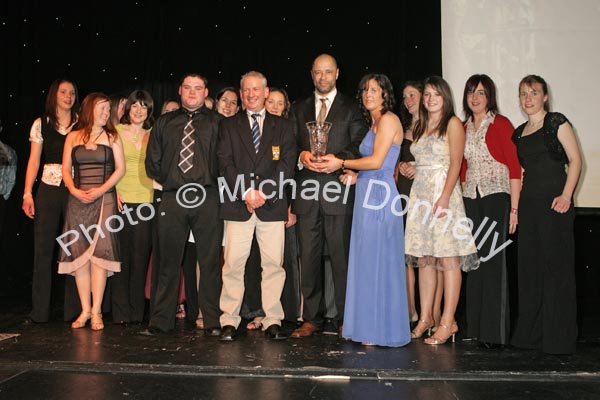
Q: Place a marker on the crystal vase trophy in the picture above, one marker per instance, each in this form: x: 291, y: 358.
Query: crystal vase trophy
x: 318, y: 133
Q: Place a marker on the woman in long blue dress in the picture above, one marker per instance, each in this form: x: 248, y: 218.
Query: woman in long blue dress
x: 376, y: 303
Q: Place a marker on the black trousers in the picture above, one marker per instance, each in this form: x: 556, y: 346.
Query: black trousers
x: 487, y: 301
x: 290, y: 297
x: 155, y: 253
x: 190, y: 278
x: 50, y: 203
x: 313, y: 230
x: 127, y: 286
x: 174, y: 223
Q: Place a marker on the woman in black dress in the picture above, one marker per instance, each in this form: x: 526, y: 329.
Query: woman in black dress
x: 546, y: 276
x: 405, y: 171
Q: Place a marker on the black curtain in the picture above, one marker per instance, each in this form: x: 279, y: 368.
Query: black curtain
x: 115, y: 47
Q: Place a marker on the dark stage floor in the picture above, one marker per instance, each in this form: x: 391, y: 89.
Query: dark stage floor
x: 51, y: 361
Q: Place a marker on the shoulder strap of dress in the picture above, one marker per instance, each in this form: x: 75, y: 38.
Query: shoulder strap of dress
x: 552, y: 122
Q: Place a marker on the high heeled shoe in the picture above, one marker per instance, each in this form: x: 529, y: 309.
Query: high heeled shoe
x: 82, y: 320
x: 416, y: 334
x: 435, y: 340
x: 97, y: 322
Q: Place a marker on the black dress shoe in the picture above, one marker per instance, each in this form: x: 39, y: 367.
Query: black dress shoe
x: 227, y: 333
x: 152, y: 331
x: 274, y: 332
x: 29, y: 321
x: 213, y: 332
x: 329, y: 327
x: 189, y: 324
x: 490, y: 346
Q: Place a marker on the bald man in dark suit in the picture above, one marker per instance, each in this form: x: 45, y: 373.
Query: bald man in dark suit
x: 324, y: 220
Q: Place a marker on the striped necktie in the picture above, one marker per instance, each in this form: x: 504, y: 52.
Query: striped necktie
x: 256, y: 132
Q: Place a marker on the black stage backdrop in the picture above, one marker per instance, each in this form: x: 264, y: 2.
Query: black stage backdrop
x: 115, y: 47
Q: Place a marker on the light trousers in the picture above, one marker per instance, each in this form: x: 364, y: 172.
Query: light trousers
x: 237, y: 244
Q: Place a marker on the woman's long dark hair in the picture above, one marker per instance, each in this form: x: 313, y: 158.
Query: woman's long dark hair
x: 51, y: 103
x: 405, y: 116
x: 145, y: 99
x: 387, y: 89
x: 441, y: 86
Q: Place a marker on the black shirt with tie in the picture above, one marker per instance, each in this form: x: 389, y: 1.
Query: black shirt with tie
x: 174, y: 222
x: 164, y: 145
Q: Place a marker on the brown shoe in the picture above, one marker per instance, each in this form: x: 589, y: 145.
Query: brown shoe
x: 340, y: 331
x: 306, y: 330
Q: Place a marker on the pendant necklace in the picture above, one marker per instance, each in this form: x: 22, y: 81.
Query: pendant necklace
x: 135, y: 139
x: 91, y: 144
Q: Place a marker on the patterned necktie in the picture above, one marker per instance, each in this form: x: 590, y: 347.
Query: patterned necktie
x: 186, y: 153
x: 256, y: 132
x: 323, y: 110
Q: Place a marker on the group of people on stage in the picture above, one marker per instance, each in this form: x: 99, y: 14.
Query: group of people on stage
x: 399, y: 197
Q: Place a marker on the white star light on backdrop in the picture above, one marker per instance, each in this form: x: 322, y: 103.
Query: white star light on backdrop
x: 295, y: 29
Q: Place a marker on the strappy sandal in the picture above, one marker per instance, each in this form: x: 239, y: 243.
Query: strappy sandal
x: 418, y: 332
x: 452, y: 330
x: 97, y: 322
x: 82, y: 320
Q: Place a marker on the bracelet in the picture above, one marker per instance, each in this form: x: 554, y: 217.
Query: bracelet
x: 26, y: 195
x: 343, y: 165
x: 514, y: 211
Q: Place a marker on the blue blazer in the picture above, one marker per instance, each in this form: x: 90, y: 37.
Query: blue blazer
x: 240, y: 166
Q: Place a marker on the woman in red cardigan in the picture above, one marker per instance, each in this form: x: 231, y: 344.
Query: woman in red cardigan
x: 491, y: 178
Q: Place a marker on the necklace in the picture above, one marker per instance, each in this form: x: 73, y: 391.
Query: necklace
x: 136, y: 136
x: 536, y: 123
x: 91, y: 143
x: 97, y: 135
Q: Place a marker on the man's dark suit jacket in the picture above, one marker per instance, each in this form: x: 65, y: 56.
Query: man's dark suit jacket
x: 348, y: 130
x: 239, y: 163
